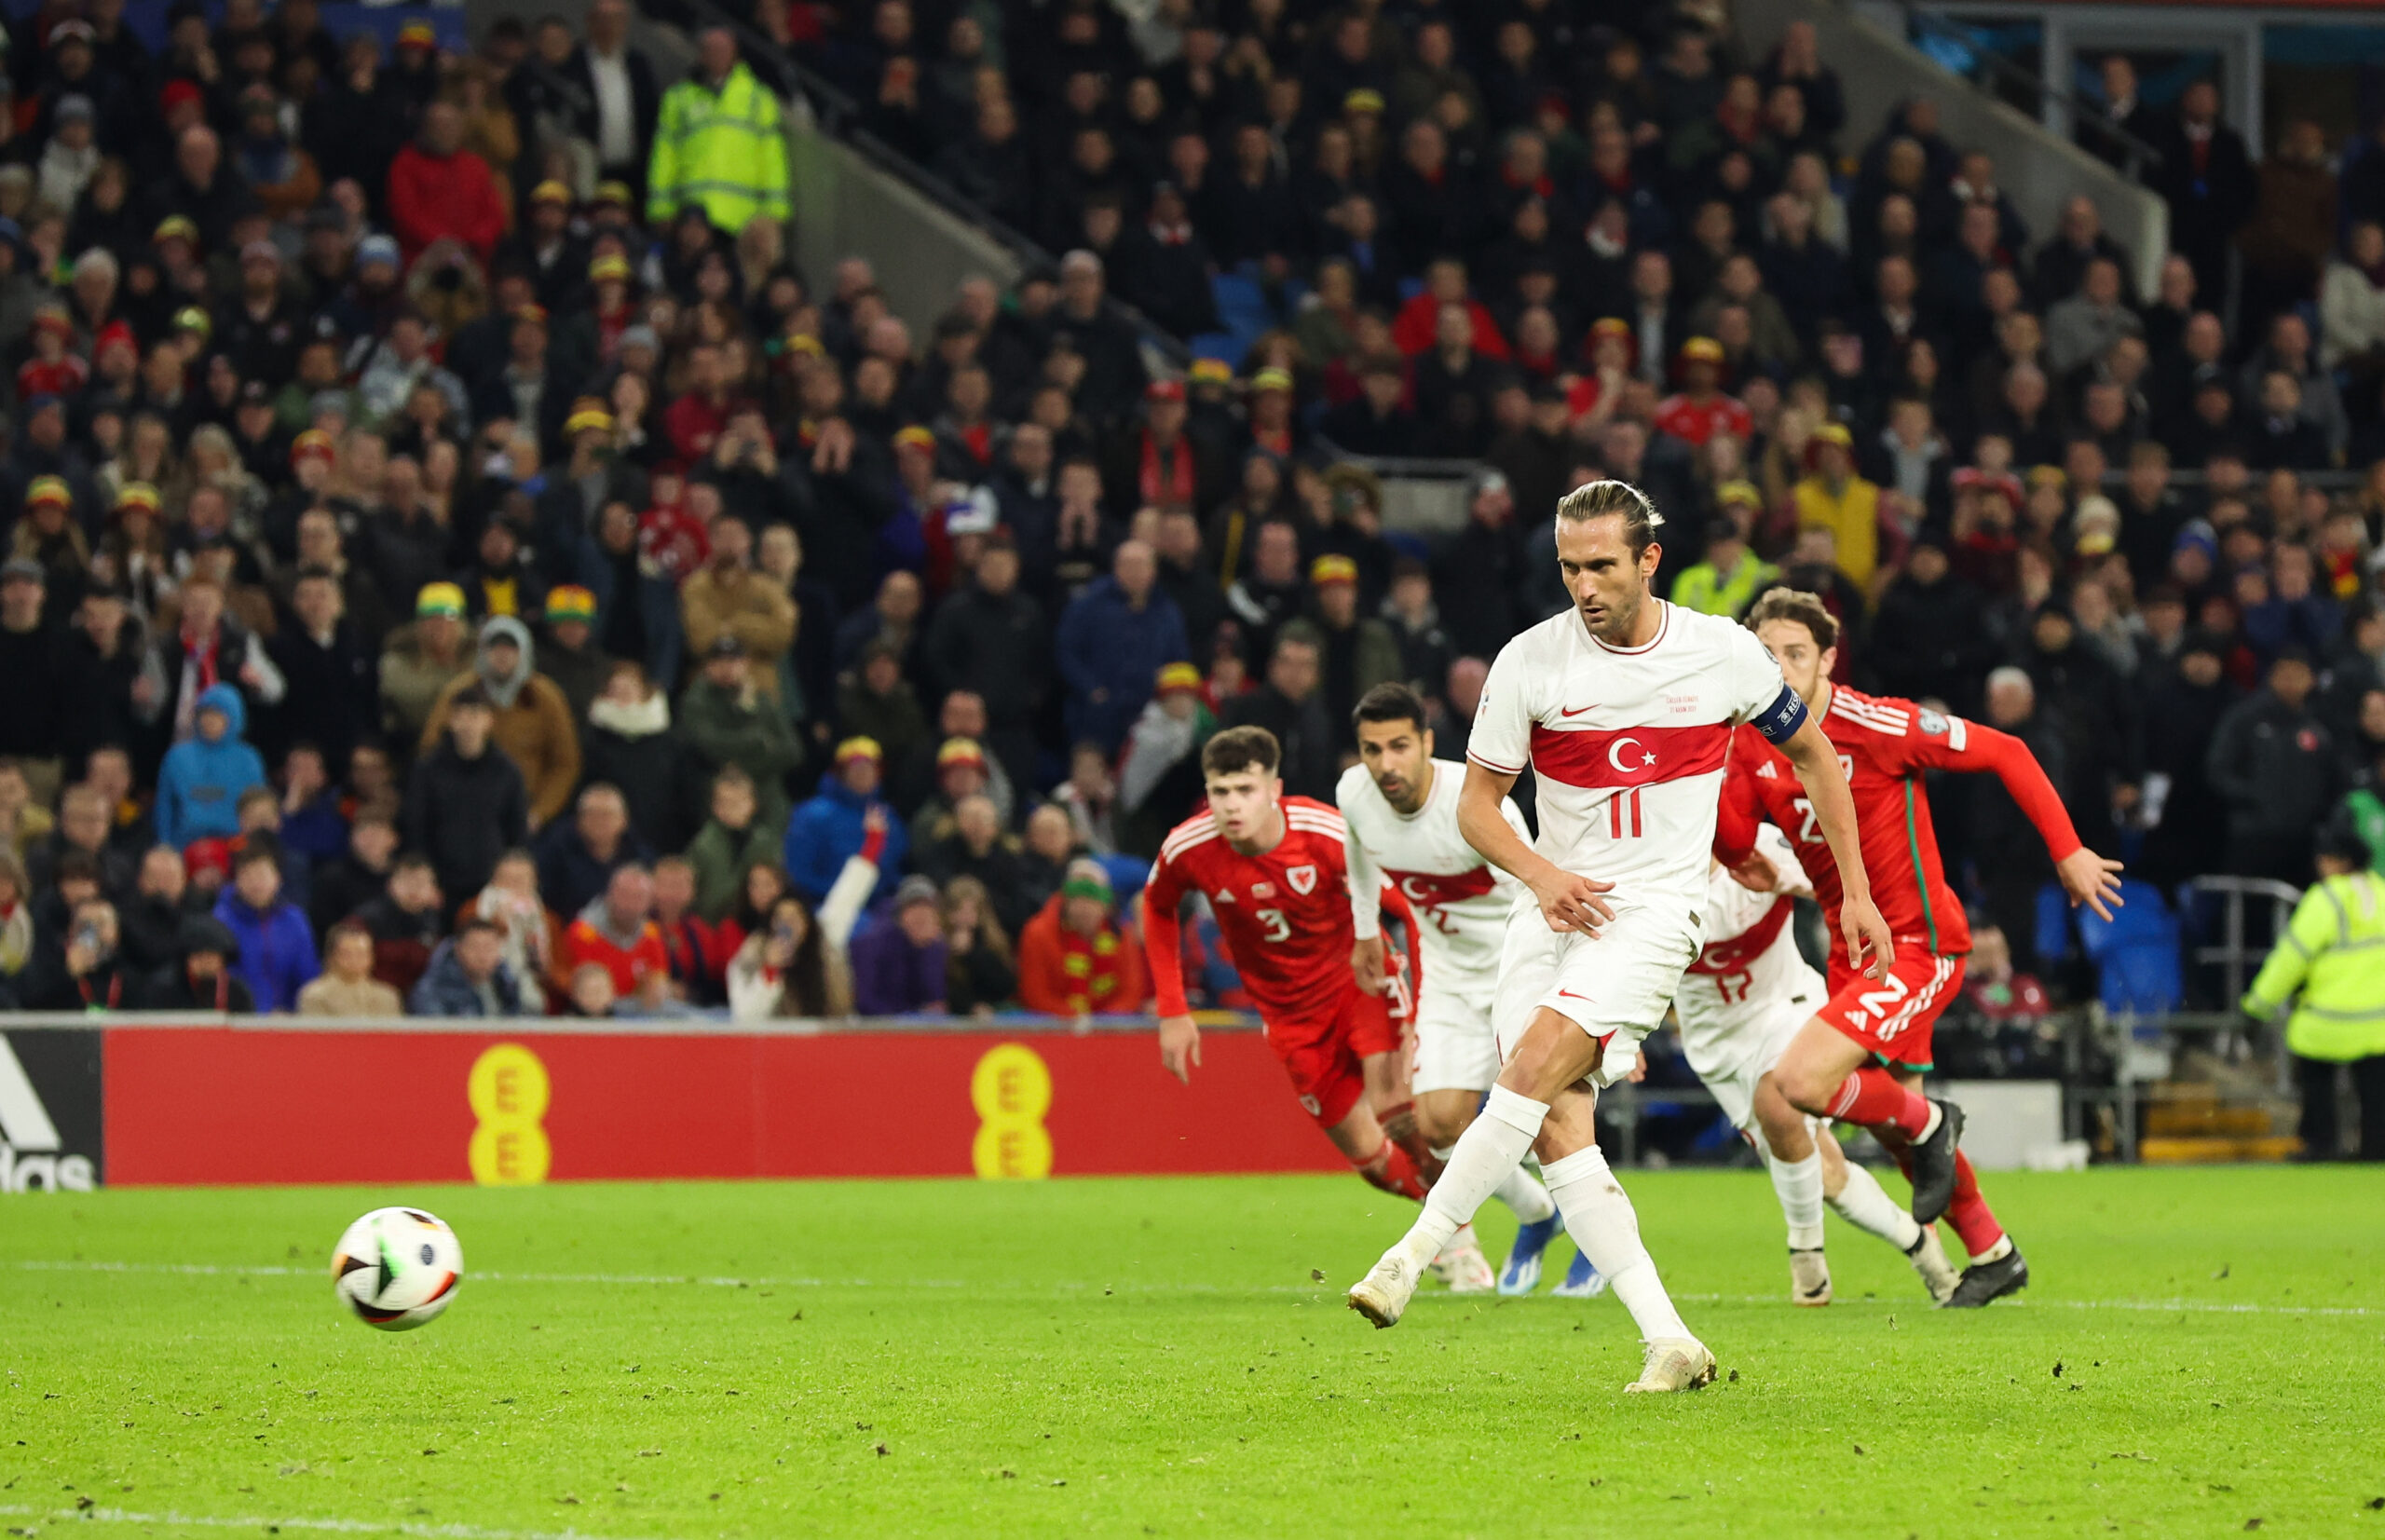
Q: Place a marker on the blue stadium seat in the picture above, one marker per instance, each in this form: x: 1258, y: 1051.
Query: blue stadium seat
x: 2135, y: 952
x: 1128, y: 875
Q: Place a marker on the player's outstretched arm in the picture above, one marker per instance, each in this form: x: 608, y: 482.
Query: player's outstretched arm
x: 1569, y: 902
x: 2088, y: 878
x: 1869, y: 945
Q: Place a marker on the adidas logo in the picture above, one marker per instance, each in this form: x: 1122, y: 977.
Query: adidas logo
x: 29, y: 1157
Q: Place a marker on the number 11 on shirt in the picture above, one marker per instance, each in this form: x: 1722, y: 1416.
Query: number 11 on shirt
x: 1623, y: 815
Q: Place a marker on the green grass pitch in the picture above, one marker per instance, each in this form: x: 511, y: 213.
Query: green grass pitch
x: 2203, y: 1352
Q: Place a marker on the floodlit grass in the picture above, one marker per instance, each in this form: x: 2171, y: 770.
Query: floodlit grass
x: 2202, y: 1350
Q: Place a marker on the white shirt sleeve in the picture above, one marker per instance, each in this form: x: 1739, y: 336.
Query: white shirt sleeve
x: 1364, y: 878
x: 1754, y: 681
x: 1502, y: 736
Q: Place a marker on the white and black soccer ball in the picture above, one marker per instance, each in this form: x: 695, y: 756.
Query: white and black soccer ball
x: 398, y: 1268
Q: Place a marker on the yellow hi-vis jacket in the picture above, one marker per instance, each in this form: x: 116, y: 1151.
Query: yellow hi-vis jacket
x: 723, y: 151
x: 2334, y: 952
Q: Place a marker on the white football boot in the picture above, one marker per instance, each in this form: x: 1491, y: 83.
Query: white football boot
x: 1462, y: 1266
x: 1674, y: 1363
x: 1808, y: 1277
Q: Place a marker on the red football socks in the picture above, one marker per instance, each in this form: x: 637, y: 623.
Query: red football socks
x: 1874, y: 1098
x: 1400, y: 1125
x: 1390, y: 1169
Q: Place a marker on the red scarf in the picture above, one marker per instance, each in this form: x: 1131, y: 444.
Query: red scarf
x: 1166, y: 482
x: 202, y: 656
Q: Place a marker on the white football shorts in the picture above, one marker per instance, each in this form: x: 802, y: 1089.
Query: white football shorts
x: 1616, y: 986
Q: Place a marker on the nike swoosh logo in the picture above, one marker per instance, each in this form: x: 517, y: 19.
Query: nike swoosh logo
x: 1574, y: 710
x: 1568, y: 994
x: 1816, y: 1294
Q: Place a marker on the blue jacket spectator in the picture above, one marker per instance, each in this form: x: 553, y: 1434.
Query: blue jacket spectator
x: 467, y: 976
x: 898, y: 958
x: 199, y: 785
x: 833, y: 825
x: 277, y: 955
x: 1113, y: 641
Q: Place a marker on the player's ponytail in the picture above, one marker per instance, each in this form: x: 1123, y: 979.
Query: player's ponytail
x: 1596, y: 499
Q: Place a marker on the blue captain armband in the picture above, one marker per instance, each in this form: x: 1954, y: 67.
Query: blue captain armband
x: 1783, y: 717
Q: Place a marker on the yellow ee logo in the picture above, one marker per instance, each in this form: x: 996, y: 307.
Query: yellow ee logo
x: 1012, y: 1090
x: 507, y: 1090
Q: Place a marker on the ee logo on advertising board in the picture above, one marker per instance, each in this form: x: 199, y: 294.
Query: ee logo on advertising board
x: 1011, y: 1089
x: 507, y: 1090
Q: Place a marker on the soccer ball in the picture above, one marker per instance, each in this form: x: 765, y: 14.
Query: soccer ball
x: 397, y: 1268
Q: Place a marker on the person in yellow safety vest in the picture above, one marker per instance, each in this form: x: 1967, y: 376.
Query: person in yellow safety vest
x: 719, y: 143
x: 2333, y: 952
x: 1727, y: 582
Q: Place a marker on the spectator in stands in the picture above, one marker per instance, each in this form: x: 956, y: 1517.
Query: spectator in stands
x: 467, y: 976
x: 276, y: 954
x: 421, y: 660
x: 1289, y: 705
x: 899, y: 957
x: 980, y: 971
x: 466, y: 803
x: 576, y: 858
x: 632, y: 745
x: 202, y: 978
x: 150, y: 922
x: 728, y: 596
x: 441, y: 192
x: 511, y: 902
x: 2277, y: 769
x: 2184, y: 706
x: 718, y: 145
x: 615, y: 931
x: 405, y: 921
x: 346, y: 987
x: 532, y: 720
x: 1077, y: 957
x: 726, y: 721
x: 1111, y: 643
x: 201, y: 783
x: 1359, y: 651
x: 732, y: 842
x: 796, y: 965
x: 92, y: 970
x: 834, y: 825
x: 2328, y: 966
x: 349, y: 881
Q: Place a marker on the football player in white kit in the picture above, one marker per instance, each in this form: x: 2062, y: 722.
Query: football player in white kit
x: 1740, y: 1004
x: 1623, y: 705
x: 1399, y: 805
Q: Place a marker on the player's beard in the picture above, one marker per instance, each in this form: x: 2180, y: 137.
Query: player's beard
x: 1614, y: 627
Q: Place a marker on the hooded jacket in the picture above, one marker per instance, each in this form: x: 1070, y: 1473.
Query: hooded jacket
x: 534, y: 723
x: 464, y: 813
x: 199, y: 785
x: 276, y: 949
x: 828, y: 828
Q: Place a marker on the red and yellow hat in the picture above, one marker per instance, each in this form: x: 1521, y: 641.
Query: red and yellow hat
x: 915, y: 437
x: 611, y: 268
x: 571, y: 602
x: 1180, y: 676
x: 588, y: 416
x: 1702, y: 350
x: 137, y: 496
x: 50, y: 490
x: 314, y: 443
x: 960, y: 751
x: 1328, y: 571
x: 418, y: 34
x: 551, y: 191
x: 860, y: 748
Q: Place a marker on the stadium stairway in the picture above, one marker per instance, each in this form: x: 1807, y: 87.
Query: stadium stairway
x: 2039, y: 170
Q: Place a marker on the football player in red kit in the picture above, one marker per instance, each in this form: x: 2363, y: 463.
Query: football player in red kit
x: 1273, y: 871
x: 1862, y: 1056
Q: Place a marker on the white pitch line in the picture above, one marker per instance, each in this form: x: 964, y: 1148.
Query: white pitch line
x: 2202, y: 1307
x: 331, y: 1526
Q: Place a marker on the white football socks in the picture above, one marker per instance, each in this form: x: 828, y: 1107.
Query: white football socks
x: 1599, y: 1219
x: 1485, y: 1156
x: 1798, y: 1184
x: 1521, y: 1192
x: 1863, y: 1203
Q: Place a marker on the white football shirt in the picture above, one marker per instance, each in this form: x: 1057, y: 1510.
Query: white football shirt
x: 1750, y: 985
x: 1462, y: 901
x: 1627, y: 744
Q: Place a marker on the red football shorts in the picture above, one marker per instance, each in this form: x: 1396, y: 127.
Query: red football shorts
x: 1892, y: 1017
x: 1322, y: 1055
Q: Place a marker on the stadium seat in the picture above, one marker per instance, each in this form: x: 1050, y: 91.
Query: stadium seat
x: 2135, y: 952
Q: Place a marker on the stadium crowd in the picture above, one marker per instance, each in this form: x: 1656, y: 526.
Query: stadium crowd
x: 456, y: 563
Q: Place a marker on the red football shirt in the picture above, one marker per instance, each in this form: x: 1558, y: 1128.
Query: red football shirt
x: 1696, y: 421
x: 1284, y: 915
x: 1883, y: 744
